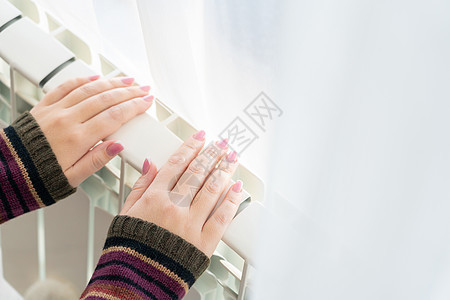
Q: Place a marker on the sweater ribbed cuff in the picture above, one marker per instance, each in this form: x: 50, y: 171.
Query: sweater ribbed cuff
x: 162, y: 240
x: 43, y: 157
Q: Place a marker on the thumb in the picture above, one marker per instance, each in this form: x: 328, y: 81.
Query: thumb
x: 92, y: 161
x: 149, y: 172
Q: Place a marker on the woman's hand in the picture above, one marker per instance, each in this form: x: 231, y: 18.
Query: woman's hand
x: 189, y: 176
x: 81, y: 112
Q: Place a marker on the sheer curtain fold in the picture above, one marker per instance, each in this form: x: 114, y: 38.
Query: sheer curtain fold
x: 210, y: 59
x: 365, y: 85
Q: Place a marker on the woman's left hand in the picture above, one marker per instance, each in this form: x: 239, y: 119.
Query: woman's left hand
x: 80, y: 113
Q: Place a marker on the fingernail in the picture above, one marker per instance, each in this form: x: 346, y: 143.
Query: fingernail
x: 145, y: 167
x: 93, y: 78
x: 128, y: 80
x: 148, y: 98
x: 237, y: 187
x: 223, y: 143
x: 200, y: 135
x: 231, y: 157
x: 114, y: 149
x: 145, y: 88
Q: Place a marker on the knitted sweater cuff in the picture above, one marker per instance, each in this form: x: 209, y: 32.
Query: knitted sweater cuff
x: 30, y: 176
x: 42, y: 156
x: 187, y: 255
x: 143, y: 260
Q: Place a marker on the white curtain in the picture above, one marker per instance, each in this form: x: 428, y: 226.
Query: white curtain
x: 362, y: 155
x: 210, y: 59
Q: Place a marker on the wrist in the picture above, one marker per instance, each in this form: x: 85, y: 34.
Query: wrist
x: 38, y: 159
x: 151, y: 259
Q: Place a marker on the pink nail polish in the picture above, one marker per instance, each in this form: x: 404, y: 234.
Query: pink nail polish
x: 145, y: 88
x: 237, y: 187
x: 148, y: 98
x: 145, y: 167
x: 199, y: 135
x: 223, y: 144
x: 128, y: 80
x: 93, y: 78
x: 114, y: 149
x: 231, y: 157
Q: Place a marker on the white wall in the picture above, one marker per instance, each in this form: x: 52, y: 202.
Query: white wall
x: 365, y: 84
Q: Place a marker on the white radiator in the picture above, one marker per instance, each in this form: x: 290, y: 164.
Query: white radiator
x: 34, y: 60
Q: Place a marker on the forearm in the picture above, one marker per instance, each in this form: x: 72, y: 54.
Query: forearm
x: 141, y: 260
x: 30, y: 176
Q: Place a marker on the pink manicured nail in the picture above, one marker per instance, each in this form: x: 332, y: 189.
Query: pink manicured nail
x: 231, y: 157
x: 93, y: 78
x: 200, y: 135
x: 223, y: 143
x: 148, y: 98
x: 114, y: 149
x: 128, y: 80
x: 237, y: 187
x: 145, y: 167
x: 145, y: 88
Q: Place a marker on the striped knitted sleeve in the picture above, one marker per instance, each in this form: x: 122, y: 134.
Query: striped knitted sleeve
x: 141, y: 260
x: 30, y: 176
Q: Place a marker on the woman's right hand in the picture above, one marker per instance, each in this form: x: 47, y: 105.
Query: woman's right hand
x: 193, y: 176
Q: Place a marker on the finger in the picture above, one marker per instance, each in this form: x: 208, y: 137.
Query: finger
x: 93, y: 88
x: 65, y: 88
x: 109, y: 121
x: 92, y: 161
x: 148, y: 174
x: 171, y: 171
x: 194, y: 176
x: 215, y: 227
x: 206, y: 199
x: 100, y: 102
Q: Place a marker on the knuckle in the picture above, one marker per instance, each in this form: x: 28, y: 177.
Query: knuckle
x: 132, y: 106
x: 66, y: 85
x: 116, y: 113
x: 62, y: 87
x: 133, y: 90
x: 140, y: 186
x: 73, y: 82
x: 234, y: 200
x: 105, y: 97
x: 78, y: 81
x: 176, y: 160
x: 221, y: 218
x: 115, y: 82
x: 196, y: 168
x: 212, y: 152
x: 60, y: 120
x: 227, y: 168
x: 135, y: 104
x: 97, y: 162
x: 212, y: 186
x: 190, y: 145
x: 87, y: 90
x: 74, y: 138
